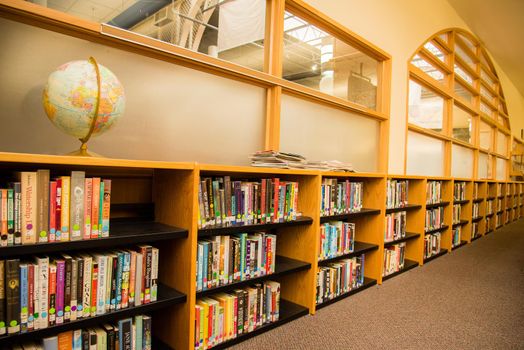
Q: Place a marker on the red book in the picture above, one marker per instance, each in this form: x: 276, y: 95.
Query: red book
x: 94, y: 287
x: 276, y: 195
x: 52, y: 211
x: 52, y: 294
x: 58, y: 209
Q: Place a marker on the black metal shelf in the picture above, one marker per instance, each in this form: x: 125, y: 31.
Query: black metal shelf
x: 461, y: 244
x: 283, y: 266
x: 407, y: 207
x: 478, y: 200
x: 460, y: 223
x: 121, y: 233
x: 440, y: 229
x: 478, y: 218
x: 166, y: 297
x: 348, y: 216
x: 464, y: 201
x: 408, y: 265
x: 436, y: 205
x: 476, y: 237
x: 407, y: 237
x: 288, y: 312
x: 368, y: 282
x: 439, y: 254
x: 226, y: 230
x: 360, y: 248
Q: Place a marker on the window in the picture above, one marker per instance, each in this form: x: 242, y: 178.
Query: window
x: 462, y: 124
x: 426, y: 108
x: 485, y: 136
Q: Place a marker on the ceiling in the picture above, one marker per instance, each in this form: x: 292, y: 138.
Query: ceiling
x: 499, y: 24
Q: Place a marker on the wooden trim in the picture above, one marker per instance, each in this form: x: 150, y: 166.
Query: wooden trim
x: 274, y: 37
x: 384, y: 105
x: 466, y: 49
x: 489, y: 88
x: 465, y: 66
x: 466, y: 85
x: 428, y: 132
x: 422, y: 78
x: 463, y: 144
x: 428, y: 56
x: 488, y: 103
x: 317, y: 18
x: 442, y: 43
x: 273, y: 109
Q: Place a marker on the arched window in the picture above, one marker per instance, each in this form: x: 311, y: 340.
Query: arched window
x: 457, y: 118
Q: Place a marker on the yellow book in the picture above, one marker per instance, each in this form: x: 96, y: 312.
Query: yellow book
x: 204, y: 325
x: 222, y: 298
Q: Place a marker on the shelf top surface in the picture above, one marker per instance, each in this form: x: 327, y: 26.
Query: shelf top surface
x: 220, y: 230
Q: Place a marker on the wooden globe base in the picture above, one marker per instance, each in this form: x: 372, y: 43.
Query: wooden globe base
x: 83, y: 152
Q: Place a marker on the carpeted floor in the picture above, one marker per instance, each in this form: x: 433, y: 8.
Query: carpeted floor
x: 472, y: 298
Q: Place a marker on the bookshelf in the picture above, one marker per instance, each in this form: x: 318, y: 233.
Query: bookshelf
x: 466, y: 205
x: 480, y: 190
x: 443, y: 208
x: 137, y: 217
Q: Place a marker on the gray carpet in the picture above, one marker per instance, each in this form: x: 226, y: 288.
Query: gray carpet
x: 472, y: 298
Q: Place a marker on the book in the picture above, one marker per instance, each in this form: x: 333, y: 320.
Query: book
x: 42, y: 205
x: 17, y: 191
x: 105, y: 207
x: 52, y: 294
x: 65, y: 340
x: 3, y: 316
x: 24, y: 296
x: 43, y: 285
x: 12, y: 280
x: 76, y: 218
x: 51, y: 343
x: 65, y: 208
x: 125, y: 334
x: 28, y: 208
x: 95, y: 208
x: 88, y: 204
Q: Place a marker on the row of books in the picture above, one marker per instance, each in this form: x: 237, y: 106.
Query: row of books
x: 340, y: 197
x: 336, y: 238
x: 434, y: 218
x: 130, y: 333
x: 395, y: 226
x: 457, y: 211
x: 459, y: 193
x: 475, y: 190
x: 498, y: 219
x: 488, y: 224
x: 489, y: 207
x: 499, y: 190
x: 474, y: 229
x: 455, y: 236
x: 394, y: 257
x: 396, y: 193
x: 476, y: 210
x: 433, y: 192
x: 225, y: 316
x: 339, y: 278
x: 223, y: 202
x: 47, y: 291
x: 36, y: 208
x: 432, y: 245
x: 499, y: 204
x: 222, y: 260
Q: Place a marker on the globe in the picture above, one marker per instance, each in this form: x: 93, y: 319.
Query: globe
x: 83, y: 99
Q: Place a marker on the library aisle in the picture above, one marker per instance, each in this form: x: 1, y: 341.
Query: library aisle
x: 471, y: 299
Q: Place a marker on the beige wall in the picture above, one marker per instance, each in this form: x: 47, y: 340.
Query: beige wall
x: 399, y: 27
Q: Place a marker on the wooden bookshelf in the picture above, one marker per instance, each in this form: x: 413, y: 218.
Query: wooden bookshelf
x: 466, y: 210
x: 447, y: 202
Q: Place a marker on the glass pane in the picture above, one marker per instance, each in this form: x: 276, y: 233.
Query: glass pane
x: 436, y: 50
x: 501, y: 169
x: 231, y: 30
x: 487, y: 78
x: 465, y: 57
x: 444, y: 37
x: 428, y: 68
x: 463, y: 74
x: 486, y: 137
x: 426, y: 108
x: 352, y: 138
x: 462, y: 124
x: 487, y: 94
x: 463, y: 92
x: 484, y: 59
x: 461, y: 162
x: 318, y: 60
x: 467, y: 42
x: 502, y: 107
x: 502, y: 143
x: 486, y: 109
x: 484, y: 166
x: 420, y: 148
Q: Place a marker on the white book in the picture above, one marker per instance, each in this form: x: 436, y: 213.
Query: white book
x: 43, y: 282
x: 133, y: 336
x: 109, y: 277
x: 77, y: 339
x: 138, y: 279
x: 101, y: 288
x: 154, y: 273
x: 36, y: 297
x: 225, y: 276
x: 76, y: 212
x: 74, y: 278
x: 86, y: 294
x: 101, y: 341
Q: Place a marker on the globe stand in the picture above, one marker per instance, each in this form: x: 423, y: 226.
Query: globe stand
x: 83, y: 152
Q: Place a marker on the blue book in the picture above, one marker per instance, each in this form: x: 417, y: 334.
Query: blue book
x: 119, y: 273
x: 204, y: 264
x: 125, y: 333
x: 24, y: 301
x: 200, y: 257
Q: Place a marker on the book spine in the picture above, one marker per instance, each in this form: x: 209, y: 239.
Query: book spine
x: 30, y: 297
x: 109, y: 272
x: 3, y: 218
x: 88, y: 204
x: 154, y: 273
x: 60, y: 287
x: 36, y: 296
x: 94, y: 288
x: 17, y: 189
x: 77, y: 339
x: 66, y: 202
x: 52, y: 211
x: 102, y: 279
x: 147, y: 275
x: 125, y: 279
x: 86, y: 288
x: 76, y: 215
x: 132, y: 279
x: 58, y: 210
x: 106, y: 206
x: 125, y: 329
x: 42, y: 221
x: 68, y: 288
x: 95, y: 207
x: 147, y: 329
x: 23, y: 297
x: 3, y: 320
x: 114, y: 276
x: 74, y: 291
x: 12, y: 295
x: 100, y: 208
x: 28, y: 184
x: 80, y: 288
x: 10, y: 217
x: 138, y: 279
x: 52, y: 294
x: 118, y: 279
x: 43, y: 280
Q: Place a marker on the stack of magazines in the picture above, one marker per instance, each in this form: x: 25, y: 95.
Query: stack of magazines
x: 276, y: 159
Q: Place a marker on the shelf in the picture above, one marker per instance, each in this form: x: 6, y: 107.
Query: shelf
x: 478, y: 200
x: 404, y: 208
x: 288, y: 312
x: 490, y: 198
x: 440, y: 229
x: 476, y: 237
x: 408, y: 265
x: 121, y: 233
x: 433, y: 257
x: 465, y: 201
x: 462, y: 222
x: 436, y: 205
x: 500, y: 196
x: 499, y: 226
x: 226, y: 230
x: 368, y: 282
x: 342, y: 217
x: 166, y: 298
x: 360, y: 248
x: 283, y: 266
x: 490, y: 215
x: 478, y: 218
x: 409, y: 236
x: 500, y: 211
x: 461, y: 244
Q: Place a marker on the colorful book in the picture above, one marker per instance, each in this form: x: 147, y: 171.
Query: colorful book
x: 76, y: 218
x: 42, y: 205
x: 65, y: 208
x: 106, y: 205
x: 88, y: 203
x: 28, y: 209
